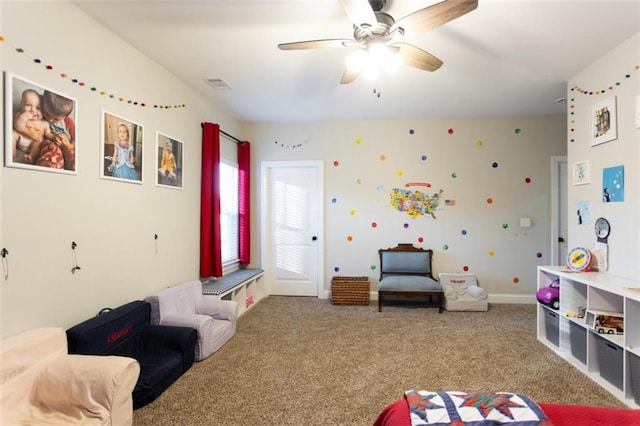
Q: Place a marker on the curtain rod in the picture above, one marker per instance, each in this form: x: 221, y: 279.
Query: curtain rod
x: 230, y: 137
x: 227, y: 135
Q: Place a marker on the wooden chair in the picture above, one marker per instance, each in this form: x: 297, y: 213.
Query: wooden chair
x: 405, y: 270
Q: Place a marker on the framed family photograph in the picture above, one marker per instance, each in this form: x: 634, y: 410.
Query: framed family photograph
x: 169, y: 154
x: 40, y: 127
x: 603, y: 121
x: 121, y: 149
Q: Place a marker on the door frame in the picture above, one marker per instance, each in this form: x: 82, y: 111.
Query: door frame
x: 265, y: 223
x: 555, y: 206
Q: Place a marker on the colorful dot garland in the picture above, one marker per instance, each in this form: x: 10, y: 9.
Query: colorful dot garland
x: 82, y: 83
x: 609, y: 88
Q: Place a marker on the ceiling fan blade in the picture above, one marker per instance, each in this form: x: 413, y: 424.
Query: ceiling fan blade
x: 417, y: 58
x: 349, y: 76
x: 359, y: 12
x: 434, y: 16
x: 315, y: 44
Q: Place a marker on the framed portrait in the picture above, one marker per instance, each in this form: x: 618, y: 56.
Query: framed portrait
x: 580, y: 173
x: 40, y: 127
x: 121, y: 149
x: 603, y: 121
x: 169, y: 153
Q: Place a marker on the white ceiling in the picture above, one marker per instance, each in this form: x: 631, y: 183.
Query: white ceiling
x: 506, y: 57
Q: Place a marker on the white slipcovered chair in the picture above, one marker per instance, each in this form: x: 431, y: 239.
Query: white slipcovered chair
x: 40, y: 383
x: 184, y: 305
x: 462, y: 293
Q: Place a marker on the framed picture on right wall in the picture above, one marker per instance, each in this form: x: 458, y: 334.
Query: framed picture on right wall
x: 603, y: 121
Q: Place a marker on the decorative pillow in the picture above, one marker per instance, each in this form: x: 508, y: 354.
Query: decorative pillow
x: 477, y: 292
x: 482, y: 408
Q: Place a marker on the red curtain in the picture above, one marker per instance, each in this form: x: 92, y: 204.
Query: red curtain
x: 244, y: 182
x: 210, y: 249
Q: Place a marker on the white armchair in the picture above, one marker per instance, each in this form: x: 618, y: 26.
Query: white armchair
x: 184, y: 305
x: 40, y: 383
x: 462, y: 293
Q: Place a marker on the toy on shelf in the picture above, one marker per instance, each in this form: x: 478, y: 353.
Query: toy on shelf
x: 579, y: 259
x: 605, y: 322
x: 550, y: 295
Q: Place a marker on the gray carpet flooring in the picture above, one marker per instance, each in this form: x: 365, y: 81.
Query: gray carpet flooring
x: 303, y: 361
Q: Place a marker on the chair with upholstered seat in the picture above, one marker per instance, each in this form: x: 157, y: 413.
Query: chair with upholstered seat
x: 184, y: 305
x: 406, y: 271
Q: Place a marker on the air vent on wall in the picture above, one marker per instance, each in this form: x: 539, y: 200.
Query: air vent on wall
x: 217, y: 83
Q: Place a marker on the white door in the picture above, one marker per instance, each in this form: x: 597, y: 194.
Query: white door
x: 292, y: 218
x: 559, y: 211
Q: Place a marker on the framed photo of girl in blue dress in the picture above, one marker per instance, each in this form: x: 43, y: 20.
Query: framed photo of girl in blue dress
x: 121, y: 153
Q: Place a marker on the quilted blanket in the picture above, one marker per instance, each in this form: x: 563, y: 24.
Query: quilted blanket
x: 473, y: 409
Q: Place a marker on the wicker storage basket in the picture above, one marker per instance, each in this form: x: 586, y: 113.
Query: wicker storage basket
x: 350, y: 290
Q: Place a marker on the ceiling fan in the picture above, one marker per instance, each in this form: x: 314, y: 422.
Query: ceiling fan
x: 377, y: 36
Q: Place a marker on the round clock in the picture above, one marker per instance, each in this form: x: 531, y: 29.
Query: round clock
x: 579, y: 259
x: 602, y: 229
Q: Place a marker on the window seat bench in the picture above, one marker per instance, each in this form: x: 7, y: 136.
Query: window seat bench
x: 243, y: 285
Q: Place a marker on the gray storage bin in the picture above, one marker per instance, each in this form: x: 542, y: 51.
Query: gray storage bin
x: 610, y: 361
x: 634, y: 367
x: 552, y: 326
x: 578, y: 338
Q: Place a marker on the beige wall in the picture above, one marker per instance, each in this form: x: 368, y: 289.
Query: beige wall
x: 609, y: 73
x: 361, y: 185
x: 113, y: 223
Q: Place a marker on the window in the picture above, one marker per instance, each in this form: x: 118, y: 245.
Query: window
x: 229, y: 212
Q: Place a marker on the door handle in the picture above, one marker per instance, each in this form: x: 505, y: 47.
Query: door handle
x: 314, y: 238
x: 560, y: 240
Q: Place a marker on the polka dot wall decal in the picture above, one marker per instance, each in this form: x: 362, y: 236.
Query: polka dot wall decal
x: 478, y: 143
x: 423, y: 158
x: 538, y: 255
x: 336, y: 163
x: 454, y: 175
x: 352, y: 212
x: 358, y: 141
x: 489, y: 200
x: 336, y: 269
x: 405, y: 226
x: 450, y: 131
x: 383, y: 157
x: 490, y: 253
x: 516, y: 280
x: 505, y: 225
x: 527, y: 180
x: 359, y: 181
x: 494, y: 165
x: 445, y: 247
x: 399, y: 173
x: 465, y: 268
x: 349, y: 238
x: 411, y: 131
x: 373, y: 267
x: 420, y: 239
x: 518, y: 131
x: 463, y: 232
x: 334, y: 200
x: 374, y: 225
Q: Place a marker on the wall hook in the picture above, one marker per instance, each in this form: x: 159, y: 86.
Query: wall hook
x: 73, y: 245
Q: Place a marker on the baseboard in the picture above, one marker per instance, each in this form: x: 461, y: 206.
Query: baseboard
x: 527, y: 299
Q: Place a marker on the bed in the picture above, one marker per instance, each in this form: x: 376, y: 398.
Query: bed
x: 409, y: 411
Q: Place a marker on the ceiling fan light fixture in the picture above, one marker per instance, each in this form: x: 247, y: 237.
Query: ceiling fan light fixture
x: 357, y: 61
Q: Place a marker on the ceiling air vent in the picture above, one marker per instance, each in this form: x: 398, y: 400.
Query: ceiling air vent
x: 217, y: 83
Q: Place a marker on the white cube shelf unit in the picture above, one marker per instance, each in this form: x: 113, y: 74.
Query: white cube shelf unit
x: 244, y: 286
x: 611, y: 360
